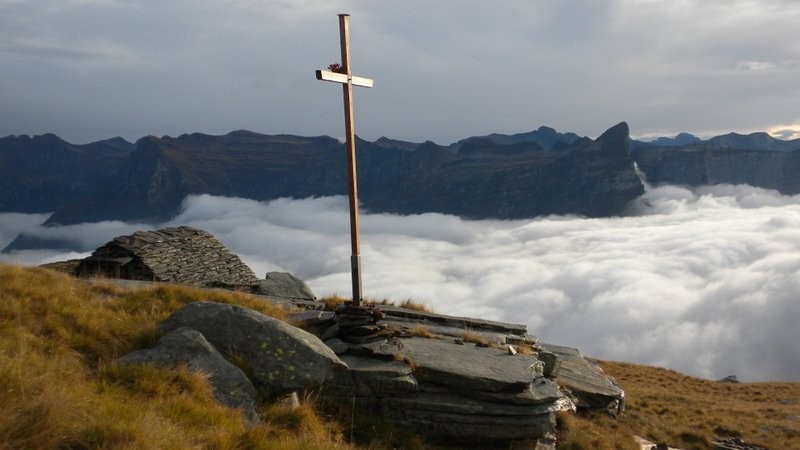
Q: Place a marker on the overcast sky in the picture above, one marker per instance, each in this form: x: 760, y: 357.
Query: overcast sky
x: 702, y: 281
x: 444, y: 70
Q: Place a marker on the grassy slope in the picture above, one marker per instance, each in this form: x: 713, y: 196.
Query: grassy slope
x: 59, y: 386
x: 666, y: 406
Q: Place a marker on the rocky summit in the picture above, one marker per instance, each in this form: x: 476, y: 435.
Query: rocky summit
x: 454, y: 380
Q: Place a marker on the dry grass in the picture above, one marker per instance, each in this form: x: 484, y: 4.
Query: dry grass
x: 525, y: 349
x: 383, y: 301
x: 60, y: 386
x: 421, y: 331
x: 475, y: 338
x: 666, y: 406
x: 593, y: 432
x: 332, y: 302
x: 416, y: 306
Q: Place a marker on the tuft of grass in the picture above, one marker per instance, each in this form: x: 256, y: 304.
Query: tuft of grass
x: 525, y: 349
x: 475, y: 338
x: 421, y: 331
x: 60, y: 386
x: 332, y: 302
x: 384, y: 301
x: 414, y: 305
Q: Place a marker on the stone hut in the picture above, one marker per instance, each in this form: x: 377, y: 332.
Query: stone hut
x: 183, y: 255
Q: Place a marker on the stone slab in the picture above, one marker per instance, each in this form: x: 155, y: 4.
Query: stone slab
x: 462, y: 366
x: 585, y: 380
x: 463, y: 323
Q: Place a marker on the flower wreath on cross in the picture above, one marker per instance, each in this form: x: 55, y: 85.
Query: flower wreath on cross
x: 336, y: 67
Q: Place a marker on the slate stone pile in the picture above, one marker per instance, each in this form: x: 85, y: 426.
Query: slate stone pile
x: 458, y: 380
x: 182, y: 255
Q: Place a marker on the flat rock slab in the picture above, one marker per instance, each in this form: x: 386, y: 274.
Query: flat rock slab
x: 455, y: 332
x: 281, y: 358
x: 453, y: 419
x: 308, y: 318
x: 462, y: 366
x: 585, y: 380
x: 541, y: 391
x: 375, y: 377
x: 462, y: 323
x: 285, y: 285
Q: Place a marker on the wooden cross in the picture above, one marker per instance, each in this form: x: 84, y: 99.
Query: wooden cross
x: 346, y: 78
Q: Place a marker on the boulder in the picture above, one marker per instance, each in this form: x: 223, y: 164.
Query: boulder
x: 585, y: 381
x: 185, y: 346
x: 285, y: 285
x: 278, y: 357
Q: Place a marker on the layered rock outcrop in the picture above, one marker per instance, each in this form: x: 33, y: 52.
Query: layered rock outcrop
x: 460, y: 381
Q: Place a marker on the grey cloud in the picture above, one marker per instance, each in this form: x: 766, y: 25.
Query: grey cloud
x: 443, y: 71
x: 699, y: 277
x: 702, y: 281
x: 11, y: 224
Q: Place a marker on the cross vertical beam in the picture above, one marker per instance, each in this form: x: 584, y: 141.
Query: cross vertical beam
x: 345, y: 77
x: 350, y: 139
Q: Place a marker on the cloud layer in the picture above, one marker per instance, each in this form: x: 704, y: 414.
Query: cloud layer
x: 703, y: 281
x: 444, y: 70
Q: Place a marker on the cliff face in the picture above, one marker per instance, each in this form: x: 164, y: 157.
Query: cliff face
x: 494, y: 176
x: 703, y: 164
x: 489, y: 177
x: 161, y: 172
x: 483, y: 179
x: 43, y: 173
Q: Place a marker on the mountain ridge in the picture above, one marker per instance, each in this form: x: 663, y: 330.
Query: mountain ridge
x: 501, y: 176
x: 479, y: 178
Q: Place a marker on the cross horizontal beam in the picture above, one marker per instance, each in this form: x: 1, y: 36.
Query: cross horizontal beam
x: 336, y: 77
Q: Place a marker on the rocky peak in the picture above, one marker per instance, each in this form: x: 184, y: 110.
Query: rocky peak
x: 616, y: 139
x: 679, y: 139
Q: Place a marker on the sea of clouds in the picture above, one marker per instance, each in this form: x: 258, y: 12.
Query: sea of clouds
x: 704, y: 281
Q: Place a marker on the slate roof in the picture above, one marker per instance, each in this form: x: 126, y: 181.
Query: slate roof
x: 183, y: 255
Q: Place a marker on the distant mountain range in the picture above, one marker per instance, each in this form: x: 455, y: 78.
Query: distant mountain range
x: 757, y: 159
x: 494, y: 176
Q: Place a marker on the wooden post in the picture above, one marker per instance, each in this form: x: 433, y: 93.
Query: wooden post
x: 346, y: 78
